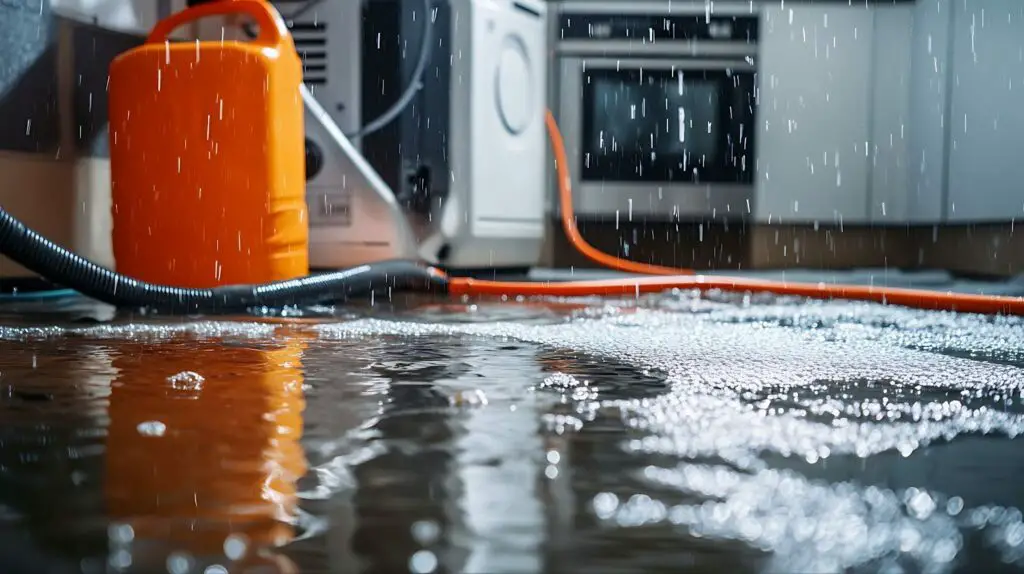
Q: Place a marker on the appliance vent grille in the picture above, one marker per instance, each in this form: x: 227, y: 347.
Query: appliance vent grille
x: 309, y: 32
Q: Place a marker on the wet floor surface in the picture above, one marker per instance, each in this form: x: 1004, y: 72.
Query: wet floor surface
x: 674, y: 433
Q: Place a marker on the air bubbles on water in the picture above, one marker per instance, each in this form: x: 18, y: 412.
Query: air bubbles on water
x: 919, y: 503
x: 423, y: 562
x: 641, y: 510
x: 188, y: 381
x: 120, y: 534
x: 944, y: 551
x: 426, y: 532
x: 605, y: 504
x: 570, y: 387
x: 180, y: 563
x: 750, y: 376
x: 235, y: 546
x: 954, y: 506
x: 561, y: 381
x: 152, y: 428
x: 120, y: 559
x: 468, y: 399
x: 561, y: 424
x: 806, y: 525
x: 1015, y: 534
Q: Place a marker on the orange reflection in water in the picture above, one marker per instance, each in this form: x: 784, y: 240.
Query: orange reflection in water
x: 193, y: 460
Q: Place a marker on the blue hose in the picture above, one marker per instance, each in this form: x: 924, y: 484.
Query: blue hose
x: 29, y: 296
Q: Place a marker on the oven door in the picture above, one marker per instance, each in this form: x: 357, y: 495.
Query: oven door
x: 660, y: 138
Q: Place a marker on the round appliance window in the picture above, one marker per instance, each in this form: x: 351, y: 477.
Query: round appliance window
x: 513, y: 86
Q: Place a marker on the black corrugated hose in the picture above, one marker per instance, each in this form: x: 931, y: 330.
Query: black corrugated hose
x: 58, y: 265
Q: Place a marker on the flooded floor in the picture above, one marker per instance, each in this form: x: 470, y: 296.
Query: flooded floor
x: 674, y: 433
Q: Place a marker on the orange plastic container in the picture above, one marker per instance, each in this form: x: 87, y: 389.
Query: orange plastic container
x: 207, y: 155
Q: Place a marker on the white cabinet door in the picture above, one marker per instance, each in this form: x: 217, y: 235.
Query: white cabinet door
x: 929, y: 95
x: 986, y: 120
x: 814, y: 128
x: 889, y: 152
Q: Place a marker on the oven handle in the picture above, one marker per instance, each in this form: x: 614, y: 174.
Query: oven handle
x: 682, y: 63
x: 660, y: 49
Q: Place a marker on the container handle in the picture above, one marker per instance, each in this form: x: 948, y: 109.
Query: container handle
x: 273, y: 31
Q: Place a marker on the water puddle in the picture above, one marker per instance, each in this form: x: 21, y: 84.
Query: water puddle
x: 717, y: 433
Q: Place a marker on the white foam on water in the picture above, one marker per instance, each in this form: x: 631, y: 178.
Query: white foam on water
x: 730, y: 367
x: 146, y: 331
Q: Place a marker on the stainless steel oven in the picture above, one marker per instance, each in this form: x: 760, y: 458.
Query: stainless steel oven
x: 658, y: 110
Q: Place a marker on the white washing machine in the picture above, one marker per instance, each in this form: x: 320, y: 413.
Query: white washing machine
x: 488, y: 161
x: 495, y: 207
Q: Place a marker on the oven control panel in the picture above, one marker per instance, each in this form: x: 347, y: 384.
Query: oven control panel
x: 652, y: 28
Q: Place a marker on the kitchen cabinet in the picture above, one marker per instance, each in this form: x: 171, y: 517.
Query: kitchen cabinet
x: 814, y: 119
x: 889, y: 152
x: 929, y: 92
x: 986, y: 117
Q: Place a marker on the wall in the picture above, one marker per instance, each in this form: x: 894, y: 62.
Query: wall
x: 53, y: 126
x: 122, y: 15
x: 35, y: 186
x: 28, y: 79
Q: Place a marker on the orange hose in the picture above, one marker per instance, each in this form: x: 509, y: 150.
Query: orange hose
x: 916, y: 298
x: 569, y: 216
x: 685, y: 278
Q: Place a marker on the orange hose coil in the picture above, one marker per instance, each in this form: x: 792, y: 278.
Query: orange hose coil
x: 670, y: 278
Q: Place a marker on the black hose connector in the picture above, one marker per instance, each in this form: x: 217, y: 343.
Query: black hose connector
x: 63, y: 267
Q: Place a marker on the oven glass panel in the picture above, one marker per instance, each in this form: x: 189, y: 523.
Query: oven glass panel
x: 688, y: 126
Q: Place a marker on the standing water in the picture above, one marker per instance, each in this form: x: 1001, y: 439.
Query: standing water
x: 667, y: 434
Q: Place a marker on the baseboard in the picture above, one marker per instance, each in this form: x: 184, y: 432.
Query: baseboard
x: 992, y: 250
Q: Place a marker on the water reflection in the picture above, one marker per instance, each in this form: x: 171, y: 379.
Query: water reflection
x: 437, y: 484
x: 585, y: 440
x: 406, y: 483
x: 49, y: 463
x: 197, y: 466
x: 639, y: 475
x: 578, y: 472
x: 451, y: 483
x: 203, y: 454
